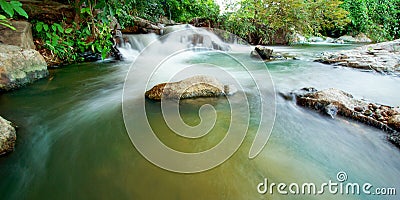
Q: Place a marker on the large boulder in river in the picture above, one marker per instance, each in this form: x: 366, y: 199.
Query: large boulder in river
x: 193, y: 87
x: 7, y: 136
x: 19, y: 67
x: 336, y: 102
x: 264, y: 52
x: 21, y: 37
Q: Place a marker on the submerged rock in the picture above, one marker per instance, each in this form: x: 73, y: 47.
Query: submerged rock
x: 7, y: 136
x: 193, y: 87
x: 382, y: 57
x: 333, y: 101
x: 19, y: 67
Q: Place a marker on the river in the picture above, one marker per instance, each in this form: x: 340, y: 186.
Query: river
x: 72, y: 142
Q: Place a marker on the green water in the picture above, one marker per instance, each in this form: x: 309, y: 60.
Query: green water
x: 72, y: 142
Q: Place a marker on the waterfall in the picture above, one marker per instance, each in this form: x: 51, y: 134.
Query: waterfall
x: 133, y: 44
x: 140, y: 41
x: 195, y: 38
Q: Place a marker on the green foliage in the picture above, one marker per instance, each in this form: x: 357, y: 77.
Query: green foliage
x: 177, y: 10
x: 4, y: 22
x: 269, y: 21
x: 327, y: 17
x: 126, y: 11
x: 67, y: 42
x: 186, y: 10
x: 379, y: 19
x: 8, y: 9
x: 11, y: 7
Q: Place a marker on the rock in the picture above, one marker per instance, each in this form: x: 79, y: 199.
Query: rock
x: 19, y: 67
x: 287, y: 96
x: 348, y: 38
x: 368, y: 113
x: 50, y: 12
x: 333, y: 101
x: 166, y: 21
x: 329, y: 40
x: 382, y: 57
x: 230, y: 90
x: 363, y: 38
x: 7, y: 136
x: 89, y: 56
x: 394, y: 121
x: 269, y: 55
x: 114, y: 24
x: 374, y: 106
x: 395, y: 139
x: 200, y: 22
x: 309, y: 89
x: 142, y: 26
x: 338, y: 41
x: 316, y: 39
x: 298, y: 39
x: 193, y: 87
x: 264, y: 52
x: 358, y: 109
x: 21, y: 37
x: 254, y: 54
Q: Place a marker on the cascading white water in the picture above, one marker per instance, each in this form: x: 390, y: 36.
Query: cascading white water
x: 200, y: 38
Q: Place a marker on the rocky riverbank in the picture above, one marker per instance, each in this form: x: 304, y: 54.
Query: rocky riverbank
x: 382, y: 57
x: 300, y: 39
x: 336, y: 102
x: 7, y: 136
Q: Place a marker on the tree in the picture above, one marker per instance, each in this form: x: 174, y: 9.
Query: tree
x: 269, y: 21
x: 379, y: 19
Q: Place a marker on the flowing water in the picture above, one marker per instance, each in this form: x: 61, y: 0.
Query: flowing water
x: 72, y: 142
